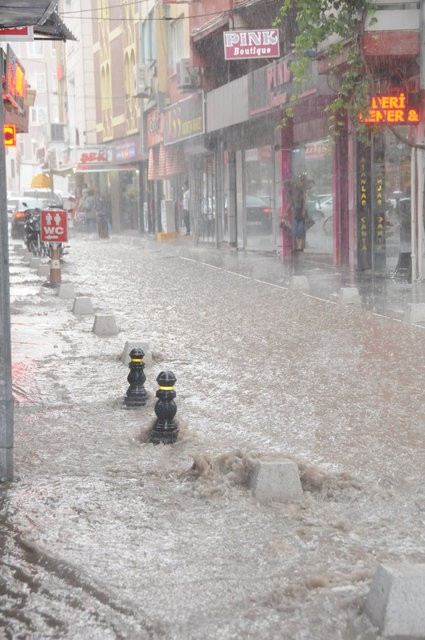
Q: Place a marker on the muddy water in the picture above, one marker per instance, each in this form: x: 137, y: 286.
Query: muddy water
x: 106, y: 535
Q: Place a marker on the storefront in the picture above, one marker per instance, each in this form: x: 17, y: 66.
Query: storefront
x: 385, y: 205
x: 114, y: 173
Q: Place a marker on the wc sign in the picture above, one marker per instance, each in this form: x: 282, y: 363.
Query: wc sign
x: 54, y: 226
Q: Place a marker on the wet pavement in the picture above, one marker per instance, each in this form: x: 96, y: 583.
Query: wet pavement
x: 105, y: 535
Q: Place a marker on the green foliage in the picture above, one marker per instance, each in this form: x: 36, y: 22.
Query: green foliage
x: 334, y: 27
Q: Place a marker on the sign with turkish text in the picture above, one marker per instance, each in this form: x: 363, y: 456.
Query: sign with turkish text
x: 242, y: 45
x: 394, y: 109
x: 92, y: 157
x: 53, y: 226
x: 184, y: 119
x: 24, y: 34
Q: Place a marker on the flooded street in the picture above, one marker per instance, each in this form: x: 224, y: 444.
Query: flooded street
x: 105, y: 535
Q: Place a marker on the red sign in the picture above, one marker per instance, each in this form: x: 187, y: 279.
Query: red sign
x: 241, y: 45
x: 53, y: 226
x: 393, y: 109
x: 9, y: 135
x: 17, y: 33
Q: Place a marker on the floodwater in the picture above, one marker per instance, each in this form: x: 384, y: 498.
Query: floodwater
x: 108, y: 536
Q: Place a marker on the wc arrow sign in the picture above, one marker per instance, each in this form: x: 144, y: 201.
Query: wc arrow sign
x: 53, y: 226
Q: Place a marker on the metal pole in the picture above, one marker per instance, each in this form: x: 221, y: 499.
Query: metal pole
x: 6, y: 397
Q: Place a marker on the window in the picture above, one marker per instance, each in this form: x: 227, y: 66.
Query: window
x: 177, y: 42
x: 35, y: 49
x: 148, y: 43
x: 39, y: 80
x: 38, y: 115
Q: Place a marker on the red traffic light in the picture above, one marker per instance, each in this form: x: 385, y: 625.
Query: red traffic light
x: 9, y: 135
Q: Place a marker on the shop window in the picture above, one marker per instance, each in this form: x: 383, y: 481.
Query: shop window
x: 259, y: 179
x: 314, y: 160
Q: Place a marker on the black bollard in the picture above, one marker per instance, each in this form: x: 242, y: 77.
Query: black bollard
x: 165, y: 428
x: 136, y: 393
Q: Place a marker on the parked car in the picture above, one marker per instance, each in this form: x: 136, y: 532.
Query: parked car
x: 17, y: 229
x: 259, y: 214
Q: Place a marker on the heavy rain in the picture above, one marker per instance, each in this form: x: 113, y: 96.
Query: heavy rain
x: 212, y: 320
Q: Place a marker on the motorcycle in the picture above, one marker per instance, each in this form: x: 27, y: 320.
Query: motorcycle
x: 32, y: 232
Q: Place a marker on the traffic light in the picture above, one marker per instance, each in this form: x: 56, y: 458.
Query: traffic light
x: 9, y: 135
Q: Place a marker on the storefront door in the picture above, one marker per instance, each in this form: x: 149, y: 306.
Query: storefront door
x: 384, y: 206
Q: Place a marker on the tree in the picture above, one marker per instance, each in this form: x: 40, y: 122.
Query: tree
x: 333, y: 30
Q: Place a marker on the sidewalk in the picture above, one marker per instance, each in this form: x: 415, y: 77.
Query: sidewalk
x: 385, y: 296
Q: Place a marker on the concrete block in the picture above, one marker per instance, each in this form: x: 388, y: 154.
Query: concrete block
x: 396, y: 601
x: 415, y: 312
x: 35, y: 262
x: 82, y: 306
x: 105, y: 325
x: 349, y: 295
x: 132, y: 344
x: 66, y: 291
x: 277, y: 480
x: 43, y: 270
x: 300, y: 283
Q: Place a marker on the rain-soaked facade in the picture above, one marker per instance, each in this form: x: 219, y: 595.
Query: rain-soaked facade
x: 217, y: 126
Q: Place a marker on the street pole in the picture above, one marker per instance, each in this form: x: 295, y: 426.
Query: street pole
x: 421, y: 159
x: 6, y: 397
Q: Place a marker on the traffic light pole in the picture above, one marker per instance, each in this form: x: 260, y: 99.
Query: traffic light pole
x: 6, y: 397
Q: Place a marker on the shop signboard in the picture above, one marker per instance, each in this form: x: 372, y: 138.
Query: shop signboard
x: 15, y: 88
x: 244, y: 45
x: 269, y: 86
x: 154, y: 128
x: 23, y: 34
x: 364, y: 207
x: 184, y: 119
x: 93, y: 158
x: 393, y: 109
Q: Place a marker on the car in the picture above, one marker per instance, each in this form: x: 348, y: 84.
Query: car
x: 17, y: 228
x: 12, y: 203
x: 259, y: 214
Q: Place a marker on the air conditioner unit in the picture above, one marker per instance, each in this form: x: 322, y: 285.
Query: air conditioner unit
x: 143, y: 81
x: 185, y: 78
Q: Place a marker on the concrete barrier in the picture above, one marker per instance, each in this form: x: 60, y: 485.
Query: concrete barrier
x: 35, y: 262
x: 349, y: 295
x: 277, y: 480
x: 82, y: 306
x: 105, y: 325
x: 396, y: 601
x: 415, y: 312
x: 66, y: 291
x: 43, y: 270
x: 300, y: 283
x: 132, y: 344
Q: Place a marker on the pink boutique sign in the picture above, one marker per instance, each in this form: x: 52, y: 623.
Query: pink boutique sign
x: 240, y: 45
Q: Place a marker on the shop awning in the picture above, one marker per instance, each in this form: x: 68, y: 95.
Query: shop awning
x: 165, y: 162
x: 209, y: 27
x: 41, y: 14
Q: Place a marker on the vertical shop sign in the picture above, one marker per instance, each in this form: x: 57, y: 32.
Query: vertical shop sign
x: 378, y: 205
x: 363, y: 210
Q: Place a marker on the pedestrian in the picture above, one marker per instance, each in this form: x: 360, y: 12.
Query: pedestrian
x: 102, y: 217
x: 185, y: 204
